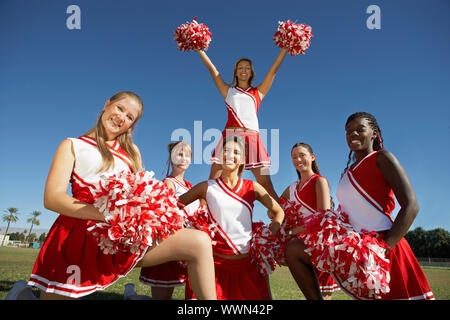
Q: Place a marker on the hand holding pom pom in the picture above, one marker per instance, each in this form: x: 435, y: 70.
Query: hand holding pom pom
x: 139, y: 210
x: 200, y: 220
x: 192, y: 36
x: 356, y: 260
x: 296, y: 38
x: 263, y: 248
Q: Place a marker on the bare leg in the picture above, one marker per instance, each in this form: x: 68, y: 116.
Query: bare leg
x: 262, y: 176
x: 27, y: 294
x: 54, y: 296
x: 216, y: 171
x: 327, y: 296
x: 162, y: 293
x: 301, y: 269
x: 268, y: 287
x: 194, y: 247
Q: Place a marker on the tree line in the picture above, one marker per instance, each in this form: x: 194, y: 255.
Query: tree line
x: 11, y: 216
x: 429, y: 243
x: 424, y: 243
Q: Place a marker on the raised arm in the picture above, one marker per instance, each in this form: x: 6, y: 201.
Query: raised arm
x: 396, y: 178
x: 55, y: 195
x: 220, y: 84
x: 264, y: 87
x: 278, y: 214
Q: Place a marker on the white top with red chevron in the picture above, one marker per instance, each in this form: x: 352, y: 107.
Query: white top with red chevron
x: 231, y: 210
x: 88, y: 161
x: 243, y: 106
x: 181, y: 189
x: 364, y: 210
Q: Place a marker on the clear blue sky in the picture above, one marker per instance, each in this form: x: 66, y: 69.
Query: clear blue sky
x: 54, y: 81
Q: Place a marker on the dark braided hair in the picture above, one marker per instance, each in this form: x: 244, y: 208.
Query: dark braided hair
x: 377, y: 143
x: 315, y: 167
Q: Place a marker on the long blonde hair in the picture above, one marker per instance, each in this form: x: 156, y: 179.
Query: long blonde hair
x: 125, y: 139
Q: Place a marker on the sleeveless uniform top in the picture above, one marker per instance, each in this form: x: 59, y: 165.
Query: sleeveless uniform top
x: 180, y: 189
x: 69, y: 243
x: 243, y: 106
x: 88, y: 160
x: 231, y: 210
x: 365, y: 196
x: 306, y: 196
x: 368, y: 200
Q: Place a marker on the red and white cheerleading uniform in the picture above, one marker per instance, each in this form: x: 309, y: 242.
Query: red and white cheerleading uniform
x: 306, y: 197
x: 242, y: 106
x: 368, y: 201
x: 70, y: 262
x: 231, y: 210
x: 173, y: 273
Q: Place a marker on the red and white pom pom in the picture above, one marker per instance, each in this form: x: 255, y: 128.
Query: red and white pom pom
x: 358, y: 260
x: 293, y: 217
x: 139, y: 210
x: 192, y: 36
x: 295, y: 37
x: 263, y: 248
x: 200, y: 220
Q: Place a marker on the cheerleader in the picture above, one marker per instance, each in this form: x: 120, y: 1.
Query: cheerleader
x: 165, y: 277
x: 243, y: 101
x: 311, y: 192
x: 71, y: 263
x: 366, y: 194
x: 230, y: 202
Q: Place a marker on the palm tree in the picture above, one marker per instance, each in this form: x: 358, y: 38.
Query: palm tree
x: 10, y: 217
x: 34, y: 221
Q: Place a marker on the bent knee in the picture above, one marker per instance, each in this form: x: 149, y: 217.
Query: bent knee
x: 200, y: 240
x: 294, y: 248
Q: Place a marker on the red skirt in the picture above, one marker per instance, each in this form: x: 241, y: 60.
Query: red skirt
x: 168, y: 275
x: 256, y: 155
x: 70, y: 262
x: 236, y: 280
x: 408, y: 282
x: 326, y: 282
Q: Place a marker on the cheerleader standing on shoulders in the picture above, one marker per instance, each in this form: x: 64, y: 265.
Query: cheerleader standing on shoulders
x: 366, y: 194
x: 242, y: 101
x: 165, y: 277
x: 71, y: 263
x: 312, y: 193
x: 230, y: 202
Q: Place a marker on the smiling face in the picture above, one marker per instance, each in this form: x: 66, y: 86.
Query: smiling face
x: 119, y: 116
x: 360, y: 135
x: 232, y: 156
x: 243, y: 71
x: 302, y: 159
x: 181, y: 156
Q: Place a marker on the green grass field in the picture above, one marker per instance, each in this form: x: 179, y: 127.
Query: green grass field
x: 17, y: 263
